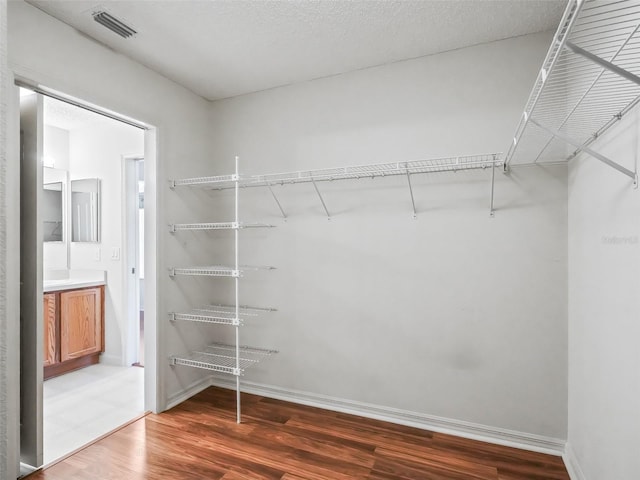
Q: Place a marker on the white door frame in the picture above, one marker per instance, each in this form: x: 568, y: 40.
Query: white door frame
x: 154, y: 384
x: 31, y: 241
x: 12, y: 282
x: 130, y: 242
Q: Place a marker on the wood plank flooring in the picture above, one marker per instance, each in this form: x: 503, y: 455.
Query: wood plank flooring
x: 200, y: 440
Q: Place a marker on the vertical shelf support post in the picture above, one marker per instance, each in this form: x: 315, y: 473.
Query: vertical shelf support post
x: 237, y: 285
x: 493, y: 182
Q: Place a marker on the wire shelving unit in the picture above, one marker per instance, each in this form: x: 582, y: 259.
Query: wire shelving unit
x: 218, y: 357
x: 444, y: 164
x: 375, y: 170
x: 589, y: 80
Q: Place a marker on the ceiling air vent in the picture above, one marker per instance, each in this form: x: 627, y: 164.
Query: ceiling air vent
x: 113, y: 24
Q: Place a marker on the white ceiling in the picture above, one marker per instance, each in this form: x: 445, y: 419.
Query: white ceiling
x: 223, y: 48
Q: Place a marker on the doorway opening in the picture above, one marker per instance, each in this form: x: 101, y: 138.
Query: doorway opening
x: 74, y: 300
x: 134, y: 241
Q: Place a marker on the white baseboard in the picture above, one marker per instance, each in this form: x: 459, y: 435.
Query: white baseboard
x: 485, y: 433
x: 572, y: 464
x: 193, y: 389
x: 108, y: 359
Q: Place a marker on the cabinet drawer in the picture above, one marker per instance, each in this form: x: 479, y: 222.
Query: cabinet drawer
x: 80, y: 323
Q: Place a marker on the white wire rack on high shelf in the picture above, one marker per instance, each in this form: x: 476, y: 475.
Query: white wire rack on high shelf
x: 220, y: 358
x: 589, y: 80
x: 375, y: 170
x: 176, y: 227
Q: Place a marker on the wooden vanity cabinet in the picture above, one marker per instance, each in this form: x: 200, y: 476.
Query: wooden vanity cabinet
x: 50, y: 312
x: 74, y: 329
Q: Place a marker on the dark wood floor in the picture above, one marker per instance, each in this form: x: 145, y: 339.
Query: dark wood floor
x: 200, y: 440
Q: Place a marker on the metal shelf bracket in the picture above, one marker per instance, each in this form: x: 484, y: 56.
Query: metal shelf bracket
x: 413, y: 202
x: 284, y: 215
x: 586, y: 149
x: 321, y: 199
x: 603, y: 63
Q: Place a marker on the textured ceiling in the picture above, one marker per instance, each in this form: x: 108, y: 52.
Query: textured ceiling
x: 223, y: 48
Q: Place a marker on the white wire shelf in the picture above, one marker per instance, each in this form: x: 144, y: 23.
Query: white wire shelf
x: 444, y: 164
x: 221, y: 358
x: 205, y: 316
x: 588, y: 81
x: 244, y: 309
x: 203, y: 180
x: 216, y: 226
x: 215, y: 270
x: 210, y: 271
x: 218, y: 314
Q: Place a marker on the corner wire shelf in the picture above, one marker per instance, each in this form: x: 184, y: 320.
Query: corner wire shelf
x: 216, y: 226
x: 375, y: 170
x: 589, y: 80
x: 222, y: 358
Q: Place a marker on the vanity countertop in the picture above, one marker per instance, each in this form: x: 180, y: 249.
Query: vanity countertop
x: 73, y: 279
x: 69, y: 284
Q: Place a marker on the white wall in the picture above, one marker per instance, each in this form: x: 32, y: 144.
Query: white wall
x: 53, y: 54
x: 604, y: 300
x: 56, y: 145
x: 453, y: 314
x: 8, y: 337
x: 96, y: 152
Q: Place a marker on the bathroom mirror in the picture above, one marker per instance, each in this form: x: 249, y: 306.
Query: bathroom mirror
x: 52, y: 212
x: 85, y: 210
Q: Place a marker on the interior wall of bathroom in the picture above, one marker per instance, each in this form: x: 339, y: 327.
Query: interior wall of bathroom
x: 96, y: 151
x: 56, y: 153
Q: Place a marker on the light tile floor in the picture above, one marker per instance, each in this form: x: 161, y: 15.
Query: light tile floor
x: 80, y: 406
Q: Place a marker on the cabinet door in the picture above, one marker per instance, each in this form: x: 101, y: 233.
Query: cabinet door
x: 80, y: 323
x: 49, y: 317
